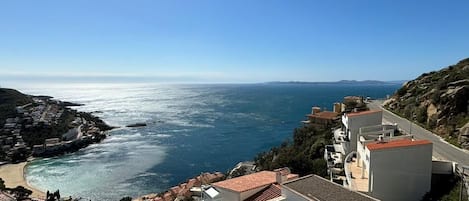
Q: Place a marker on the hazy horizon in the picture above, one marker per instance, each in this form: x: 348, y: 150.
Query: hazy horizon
x: 13, y: 81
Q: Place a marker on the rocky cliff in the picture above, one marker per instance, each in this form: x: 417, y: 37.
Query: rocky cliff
x: 439, y: 101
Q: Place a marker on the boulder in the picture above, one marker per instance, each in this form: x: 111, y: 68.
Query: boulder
x: 136, y: 125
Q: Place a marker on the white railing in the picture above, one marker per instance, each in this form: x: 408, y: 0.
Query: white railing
x: 348, y: 172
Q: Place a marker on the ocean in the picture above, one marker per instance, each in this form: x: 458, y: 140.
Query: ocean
x: 191, y: 129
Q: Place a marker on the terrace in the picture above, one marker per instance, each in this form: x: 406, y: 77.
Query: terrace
x: 357, y: 177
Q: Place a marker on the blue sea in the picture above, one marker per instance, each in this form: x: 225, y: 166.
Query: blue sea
x: 191, y: 129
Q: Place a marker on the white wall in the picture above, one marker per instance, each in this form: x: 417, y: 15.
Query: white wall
x: 401, y: 173
x: 228, y: 195
x: 356, y: 122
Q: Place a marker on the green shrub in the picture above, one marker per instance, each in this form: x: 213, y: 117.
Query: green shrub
x: 303, y: 156
x: 402, y: 91
x: 421, y: 115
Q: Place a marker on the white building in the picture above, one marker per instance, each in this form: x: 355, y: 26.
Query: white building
x: 351, y: 124
x: 397, y: 168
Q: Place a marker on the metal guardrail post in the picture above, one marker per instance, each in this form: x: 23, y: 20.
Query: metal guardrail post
x: 463, y: 182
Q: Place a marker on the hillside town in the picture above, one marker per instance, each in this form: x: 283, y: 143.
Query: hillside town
x: 46, y: 127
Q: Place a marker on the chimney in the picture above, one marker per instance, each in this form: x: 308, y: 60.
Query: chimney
x: 315, y: 110
x: 281, y: 175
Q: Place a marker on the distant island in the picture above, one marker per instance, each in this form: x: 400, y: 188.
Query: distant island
x: 344, y: 82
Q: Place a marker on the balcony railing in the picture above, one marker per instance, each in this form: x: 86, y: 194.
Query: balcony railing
x: 348, y: 172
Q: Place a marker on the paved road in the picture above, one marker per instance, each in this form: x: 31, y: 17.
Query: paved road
x: 441, y: 149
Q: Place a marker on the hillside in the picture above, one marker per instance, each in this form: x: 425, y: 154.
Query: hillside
x: 303, y: 155
x: 9, y: 99
x: 439, y: 101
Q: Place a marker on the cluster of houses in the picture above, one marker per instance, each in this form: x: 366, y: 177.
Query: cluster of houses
x: 373, y: 158
x: 42, y: 112
x: 378, y: 160
x: 29, y: 116
x: 11, y: 140
x: 45, y: 113
x: 81, y: 133
x: 368, y: 157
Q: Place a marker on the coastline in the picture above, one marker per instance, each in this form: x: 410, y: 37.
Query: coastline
x: 14, y: 175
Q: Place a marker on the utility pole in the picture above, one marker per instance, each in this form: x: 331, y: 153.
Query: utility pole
x: 410, y: 132
x: 411, y: 120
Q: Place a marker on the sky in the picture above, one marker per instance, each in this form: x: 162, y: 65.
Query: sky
x: 231, y: 41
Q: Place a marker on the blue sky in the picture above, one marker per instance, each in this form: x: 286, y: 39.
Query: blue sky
x: 232, y: 41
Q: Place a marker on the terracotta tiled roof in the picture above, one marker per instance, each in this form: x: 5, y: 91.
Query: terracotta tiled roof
x: 168, y: 197
x: 396, y: 144
x: 353, y: 114
x: 207, y: 178
x: 175, y: 190
x: 271, y: 192
x: 251, y: 181
x: 325, y: 115
x: 191, y: 183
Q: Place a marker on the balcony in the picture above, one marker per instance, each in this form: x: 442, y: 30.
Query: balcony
x: 340, y: 136
x: 357, y: 178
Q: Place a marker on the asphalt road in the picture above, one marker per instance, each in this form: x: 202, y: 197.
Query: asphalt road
x: 441, y: 149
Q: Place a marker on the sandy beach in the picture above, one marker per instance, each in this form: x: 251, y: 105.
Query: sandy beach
x: 13, y: 176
